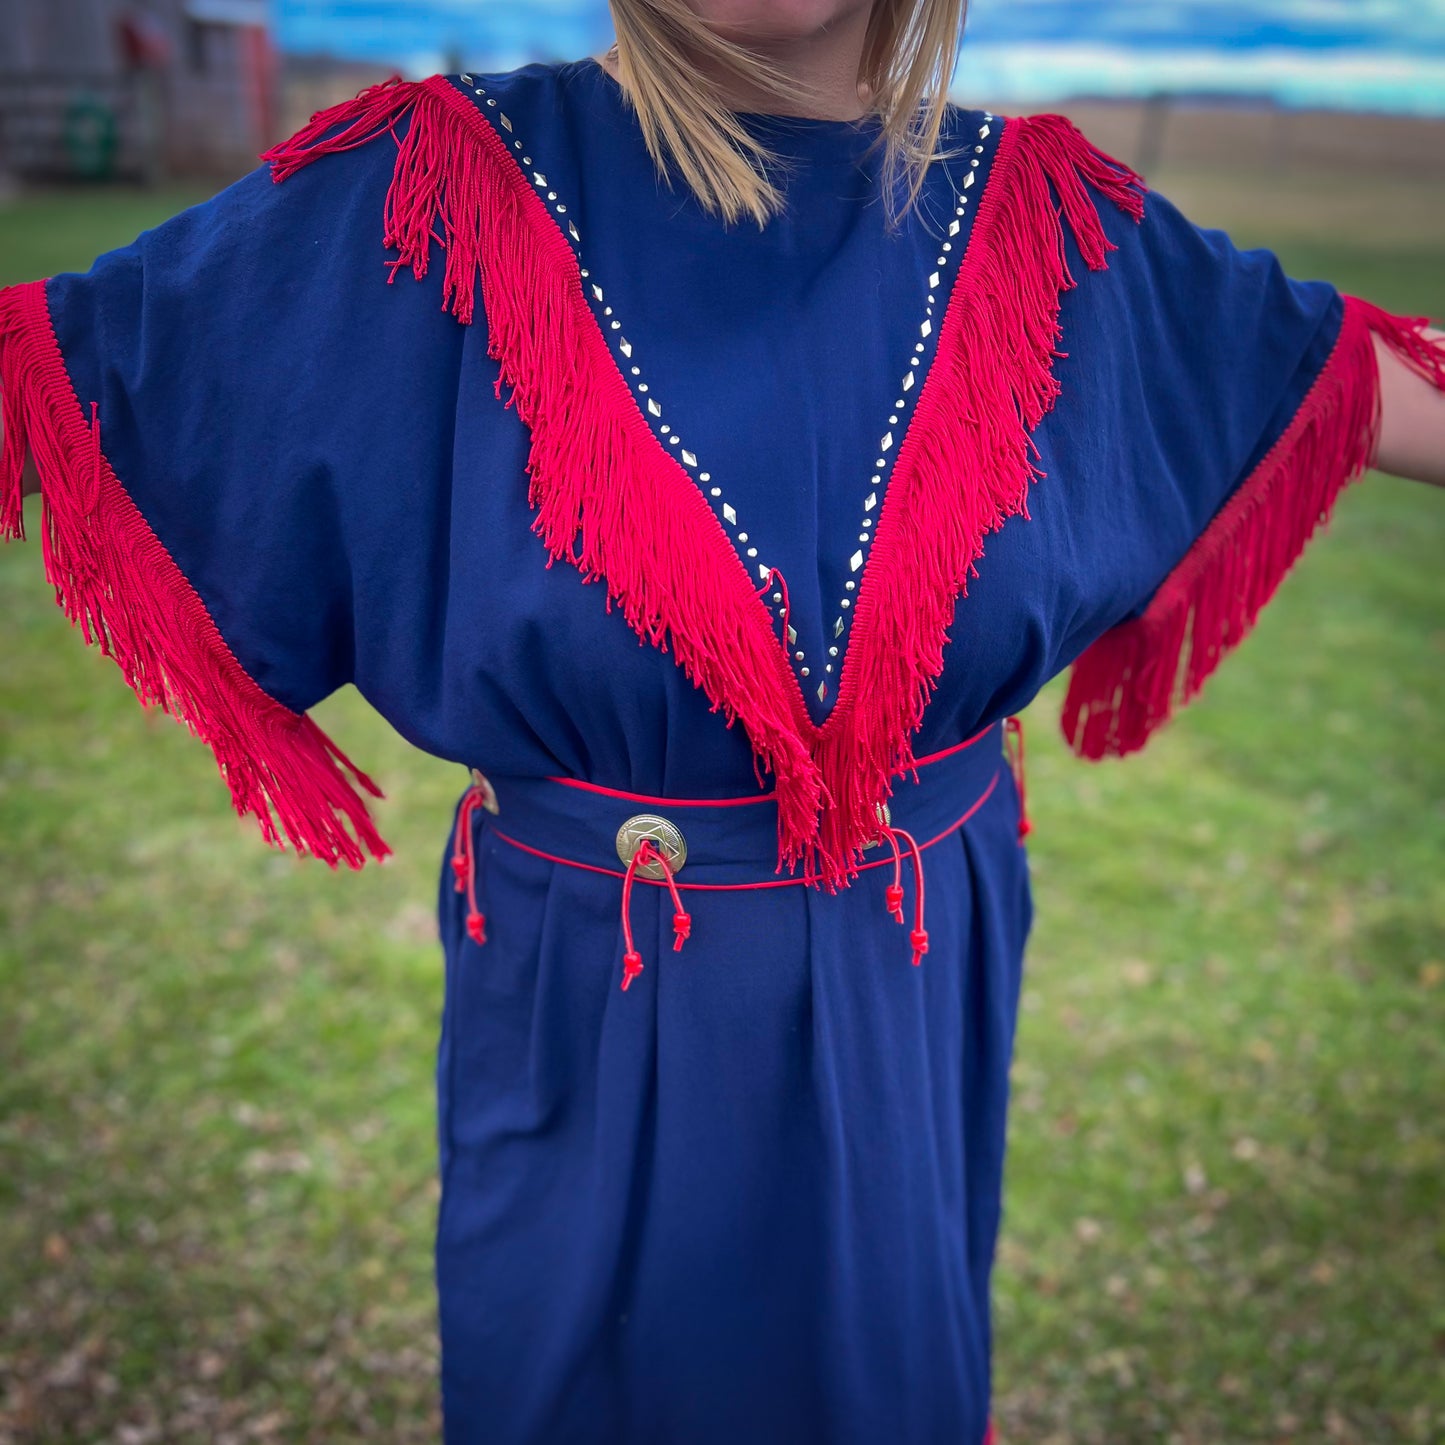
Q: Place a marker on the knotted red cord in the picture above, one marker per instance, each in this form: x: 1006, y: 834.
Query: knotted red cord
x: 681, y: 920
x: 464, y: 864
x: 1013, y: 728
x: 894, y: 895
x: 783, y: 588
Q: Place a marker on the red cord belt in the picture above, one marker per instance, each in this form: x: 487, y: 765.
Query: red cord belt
x: 725, y: 838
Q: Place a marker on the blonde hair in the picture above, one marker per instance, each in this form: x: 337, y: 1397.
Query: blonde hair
x: 667, y: 59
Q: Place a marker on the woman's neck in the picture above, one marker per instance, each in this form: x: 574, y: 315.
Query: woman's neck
x: 826, y: 61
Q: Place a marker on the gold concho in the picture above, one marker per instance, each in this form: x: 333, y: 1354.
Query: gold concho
x: 665, y: 838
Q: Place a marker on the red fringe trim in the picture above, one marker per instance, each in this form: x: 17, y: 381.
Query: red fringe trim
x: 598, y: 474
x: 1129, y: 682
x: 115, y: 580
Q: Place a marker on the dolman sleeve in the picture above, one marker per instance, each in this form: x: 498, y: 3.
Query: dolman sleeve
x: 203, y: 423
x: 1219, y: 407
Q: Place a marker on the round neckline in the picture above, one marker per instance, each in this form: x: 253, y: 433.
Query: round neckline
x: 820, y: 136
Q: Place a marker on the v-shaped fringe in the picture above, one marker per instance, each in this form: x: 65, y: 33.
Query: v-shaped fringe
x: 115, y: 580
x: 1129, y: 682
x: 967, y: 461
x: 614, y: 502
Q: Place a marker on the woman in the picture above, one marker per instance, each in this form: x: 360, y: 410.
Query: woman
x: 871, y: 413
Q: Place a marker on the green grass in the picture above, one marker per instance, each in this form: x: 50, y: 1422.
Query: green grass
x: 1227, y: 1158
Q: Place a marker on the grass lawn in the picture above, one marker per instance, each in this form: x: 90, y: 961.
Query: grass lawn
x: 1224, y: 1196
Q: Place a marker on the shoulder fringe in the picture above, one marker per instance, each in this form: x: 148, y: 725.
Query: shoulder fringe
x: 964, y: 467
x: 1129, y: 682
x: 967, y: 460
x: 115, y: 580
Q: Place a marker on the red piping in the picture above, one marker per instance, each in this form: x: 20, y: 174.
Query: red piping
x: 729, y: 887
x: 751, y: 798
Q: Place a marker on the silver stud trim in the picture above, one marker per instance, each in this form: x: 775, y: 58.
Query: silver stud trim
x: 886, y: 444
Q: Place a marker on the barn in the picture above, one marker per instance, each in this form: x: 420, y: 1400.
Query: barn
x: 100, y: 89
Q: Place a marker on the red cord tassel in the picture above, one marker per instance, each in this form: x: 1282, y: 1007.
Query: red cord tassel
x: 1013, y: 742
x: 646, y: 852
x: 464, y: 863
x: 894, y: 892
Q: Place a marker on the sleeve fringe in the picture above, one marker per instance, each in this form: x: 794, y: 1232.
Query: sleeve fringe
x: 115, y: 580
x: 1129, y: 682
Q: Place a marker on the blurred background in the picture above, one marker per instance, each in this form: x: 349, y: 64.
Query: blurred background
x: 98, y: 88
x: 1224, y: 1224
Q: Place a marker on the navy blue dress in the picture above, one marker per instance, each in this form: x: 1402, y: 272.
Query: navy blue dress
x: 722, y: 554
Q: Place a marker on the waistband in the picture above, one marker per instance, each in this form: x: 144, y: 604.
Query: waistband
x: 687, y: 844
